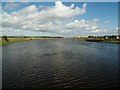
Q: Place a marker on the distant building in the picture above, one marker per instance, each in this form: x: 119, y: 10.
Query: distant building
x: 106, y: 37
x: 117, y: 37
x: 78, y: 37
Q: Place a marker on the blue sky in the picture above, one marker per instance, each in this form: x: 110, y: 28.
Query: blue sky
x: 71, y: 19
x: 102, y: 11
x: 61, y: 0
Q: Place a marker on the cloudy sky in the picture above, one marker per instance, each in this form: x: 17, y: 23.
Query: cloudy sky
x: 59, y: 18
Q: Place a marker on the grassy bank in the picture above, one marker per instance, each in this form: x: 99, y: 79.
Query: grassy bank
x: 113, y: 41
x: 82, y: 39
x: 14, y: 40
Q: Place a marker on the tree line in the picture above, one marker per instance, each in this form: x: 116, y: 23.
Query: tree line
x: 106, y: 36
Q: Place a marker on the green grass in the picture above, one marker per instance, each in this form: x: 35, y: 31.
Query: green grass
x: 14, y: 40
x: 82, y: 39
x: 114, y: 42
x: 96, y: 40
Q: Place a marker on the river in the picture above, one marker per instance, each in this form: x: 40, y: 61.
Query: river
x: 59, y: 63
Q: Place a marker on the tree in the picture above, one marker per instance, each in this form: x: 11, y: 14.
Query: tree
x: 90, y: 36
x: 5, y: 38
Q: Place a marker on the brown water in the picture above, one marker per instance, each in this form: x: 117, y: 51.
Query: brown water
x: 59, y: 63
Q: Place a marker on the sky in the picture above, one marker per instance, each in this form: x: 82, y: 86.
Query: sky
x: 59, y: 18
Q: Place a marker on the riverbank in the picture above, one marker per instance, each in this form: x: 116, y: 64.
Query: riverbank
x: 14, y: 40
x: 113, y: 41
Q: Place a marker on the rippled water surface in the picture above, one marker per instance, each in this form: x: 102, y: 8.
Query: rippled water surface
x: 59, y: 63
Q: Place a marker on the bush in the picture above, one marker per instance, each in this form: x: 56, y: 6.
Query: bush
x: 5, y: 38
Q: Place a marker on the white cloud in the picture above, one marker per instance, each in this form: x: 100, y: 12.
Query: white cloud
x: 76, y: 24
x: 1, y: 8
x: 61, y: 11
x: 116, y: 28
x: 84, y: 5
x: 106, y: 21
x: 96, y: 20
x: 30, y: 10
x: 79, y: 24
x: 31, y: 16
x: 86, y: 26
x: 99, y: 30
x: 52, y: 19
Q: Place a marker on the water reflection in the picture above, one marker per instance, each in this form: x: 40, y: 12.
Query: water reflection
x: 0, y: 67
x: 60, y: 63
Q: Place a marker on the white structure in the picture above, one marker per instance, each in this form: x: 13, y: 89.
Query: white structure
x: 117, y: 37
x: 106, y: 37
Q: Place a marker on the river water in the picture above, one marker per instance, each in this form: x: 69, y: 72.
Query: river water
x: 59, y: 64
